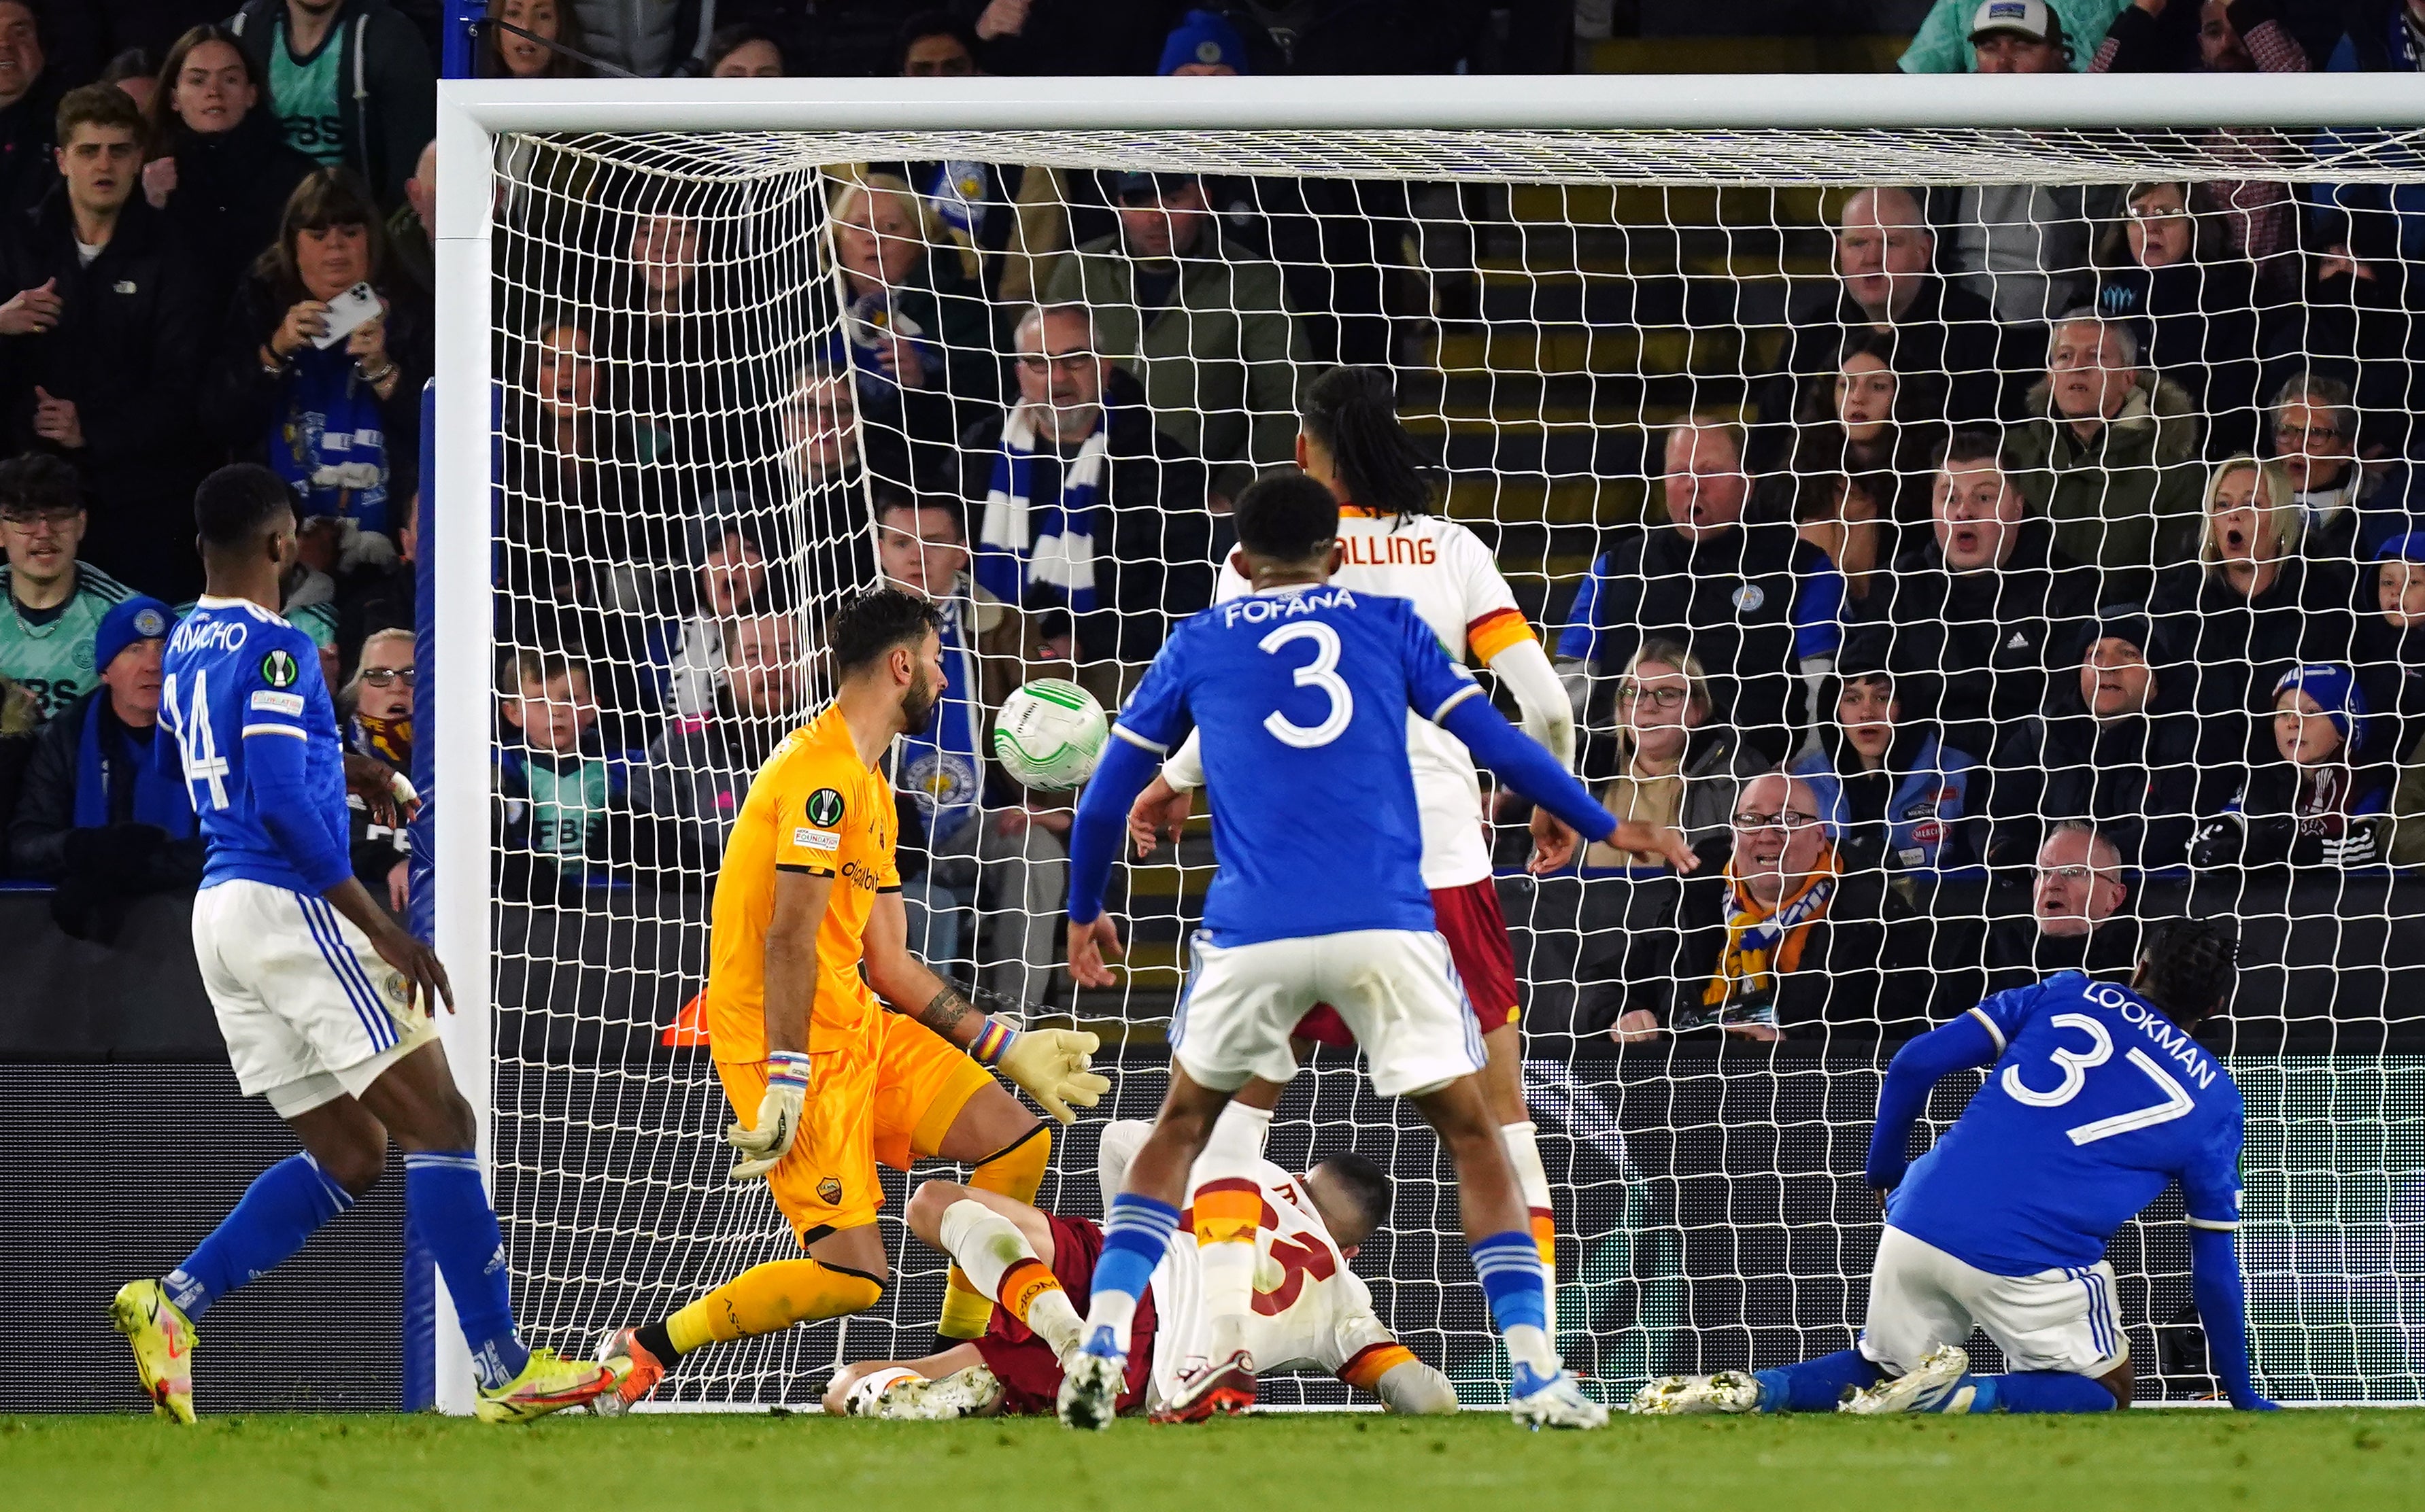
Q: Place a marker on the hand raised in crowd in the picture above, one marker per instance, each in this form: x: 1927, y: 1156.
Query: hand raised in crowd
x: 56, y: 420
x: 159, y: 181
x: 898, y: 357
x: 304, y: 322
x: 1002, y: 17
x: 32, y: 312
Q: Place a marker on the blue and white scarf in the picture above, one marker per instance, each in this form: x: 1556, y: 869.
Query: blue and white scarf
x: 1047, y: 543
x: 940, y: 767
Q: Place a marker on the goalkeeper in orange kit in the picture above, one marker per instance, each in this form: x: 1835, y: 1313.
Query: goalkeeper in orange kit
x: 825, y: 1081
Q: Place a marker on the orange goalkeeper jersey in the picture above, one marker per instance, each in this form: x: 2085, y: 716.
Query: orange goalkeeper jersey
x: 813, y: 807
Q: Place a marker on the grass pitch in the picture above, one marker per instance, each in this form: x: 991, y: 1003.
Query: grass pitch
x: 2142, y: 1461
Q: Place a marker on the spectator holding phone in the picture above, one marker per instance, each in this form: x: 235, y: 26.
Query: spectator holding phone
x: 320, y: 371
x: 219, y: 169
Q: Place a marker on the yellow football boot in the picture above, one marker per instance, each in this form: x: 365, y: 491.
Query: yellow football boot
x: 163, y: 1338
x: 547, y: 1384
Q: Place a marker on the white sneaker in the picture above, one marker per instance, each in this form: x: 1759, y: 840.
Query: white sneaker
x: 1933, y: 1385
x: 1090, y: 1385
x: 1538, y: 1401
x: 1684, y: 1396
x: 963, y: 1394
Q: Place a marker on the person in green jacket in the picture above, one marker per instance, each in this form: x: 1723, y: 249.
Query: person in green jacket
x: 1199, y: 321
x: 2110, y: 452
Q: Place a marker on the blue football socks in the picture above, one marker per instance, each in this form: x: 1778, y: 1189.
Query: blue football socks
x: 1815, y: 1385
x: 1135, y: 1233
x: 2038, y: 1390
x: 455, y: 1221
x: 1509, y: 1265
x: 283, y: 1206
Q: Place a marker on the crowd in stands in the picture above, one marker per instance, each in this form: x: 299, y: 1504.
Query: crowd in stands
x: 2072, y: 534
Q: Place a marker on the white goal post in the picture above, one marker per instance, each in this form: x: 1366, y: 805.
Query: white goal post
x: 1805, y: 132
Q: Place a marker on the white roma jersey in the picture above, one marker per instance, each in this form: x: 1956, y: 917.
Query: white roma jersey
x: 1456, y: 588
x: 1310, y: 1312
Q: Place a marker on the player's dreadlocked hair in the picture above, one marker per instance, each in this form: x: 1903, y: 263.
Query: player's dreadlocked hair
x: 1367, y: 1182
x: 1287, y: 517
x: 875, y: 622
x: 1354, y: 413
x: 2186, y: 966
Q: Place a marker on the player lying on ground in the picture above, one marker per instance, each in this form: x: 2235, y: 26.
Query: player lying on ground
x: 1353, y: 443
x: 1315, y: 1314
x: 828, y: 1082
x: 325, y: 1003
x: 1301, y: 690
x: 2099, y: 1101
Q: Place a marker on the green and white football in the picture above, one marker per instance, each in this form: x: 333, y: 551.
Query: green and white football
x: 1050, y: 734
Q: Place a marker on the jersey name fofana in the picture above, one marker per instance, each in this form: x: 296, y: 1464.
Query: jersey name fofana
x: 1309, y: 1310
x: 1446, y: 572
x: 235, y: 674
x: 2097, y: 1103
x: 1301, y: 693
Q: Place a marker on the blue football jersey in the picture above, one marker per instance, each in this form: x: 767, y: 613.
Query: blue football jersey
x: 2097, y: 1103
x: 1302, y: 693
x: 236, y: 675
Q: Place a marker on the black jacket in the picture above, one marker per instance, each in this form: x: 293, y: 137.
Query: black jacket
x: 1729, y: 600
x: 387, y: 89
x: 1973, y: 649
x: 1163, y: 558
x: 1861, y: 974
x: 2196, y: 325
x: 231, y: 192
x: 1946, y: 334
x: 127, y: 350
x: 2136, y: 777
x: 2019, y: 955
x: 29, y: 134
x: 2391, y: 668
x: 2226, y: 652
x: 45, y: 841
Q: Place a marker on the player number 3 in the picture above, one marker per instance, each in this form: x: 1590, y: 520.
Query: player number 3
x: 1322, y: 671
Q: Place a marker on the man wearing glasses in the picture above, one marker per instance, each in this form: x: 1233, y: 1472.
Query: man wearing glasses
x: 2079, y: 919
x: 2350, y: 509
x: 1786, y: 944
x: 1082, y: 505
x: 56, y: 602
x: 380, y: 728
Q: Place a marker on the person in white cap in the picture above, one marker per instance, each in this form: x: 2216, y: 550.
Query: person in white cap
x: 1943, y: 43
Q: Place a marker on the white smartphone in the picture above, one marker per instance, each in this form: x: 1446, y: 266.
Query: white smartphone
x: 348, y: 311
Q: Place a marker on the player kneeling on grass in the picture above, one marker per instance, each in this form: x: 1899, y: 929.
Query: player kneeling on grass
x: 1313, y: 1312
x: 1301, y: 689
x: 2099, y: 1099
x: 808, y: 946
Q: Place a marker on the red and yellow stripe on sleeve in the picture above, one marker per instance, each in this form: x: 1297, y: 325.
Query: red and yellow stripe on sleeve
x: 1229, y: 1211
x: 1370, y: 1363
x: 1495, y: 633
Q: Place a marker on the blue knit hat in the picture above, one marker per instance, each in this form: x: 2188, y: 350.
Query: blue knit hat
x: 2408, y: 548
x: 1203, y: 37
x: 138, y: 618
x: 2335, y: 688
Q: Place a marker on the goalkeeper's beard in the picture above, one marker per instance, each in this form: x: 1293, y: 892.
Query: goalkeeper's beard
x: 918, y: 702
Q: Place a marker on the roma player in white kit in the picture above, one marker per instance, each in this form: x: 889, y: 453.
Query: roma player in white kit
x: 1352, y: 442
x: 1309, y: 1311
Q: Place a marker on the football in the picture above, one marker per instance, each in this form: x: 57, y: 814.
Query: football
x: 1050, y: 734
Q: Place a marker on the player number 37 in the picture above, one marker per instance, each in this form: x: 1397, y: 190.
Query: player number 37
x: 2076, y: 1064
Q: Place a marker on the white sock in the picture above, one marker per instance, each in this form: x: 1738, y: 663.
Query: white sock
x: 1529, y: 1346
x: 986, y: 1245
x: 1113, y: 1308
x: 1226, y: 1267
x: 1238, y: 1138
x: 1523, y: 1148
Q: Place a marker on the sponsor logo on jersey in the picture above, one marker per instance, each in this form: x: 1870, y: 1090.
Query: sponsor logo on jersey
x: 859, y: 876
x: 278, y: 703
x: 1393, y: 550
x: 830, y: 1191
x: 809, y: 839
x: 278, y: 669
x: 824, y: 809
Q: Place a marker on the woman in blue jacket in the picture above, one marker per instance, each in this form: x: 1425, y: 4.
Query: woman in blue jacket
x: 1900, y: 805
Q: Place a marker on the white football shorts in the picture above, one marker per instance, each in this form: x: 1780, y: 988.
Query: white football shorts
x: 1396, y: 990
x: 308, y: 1011
x: 1920, y: 1297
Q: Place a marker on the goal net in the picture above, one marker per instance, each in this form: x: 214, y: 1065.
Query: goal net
x: 1902, y: 456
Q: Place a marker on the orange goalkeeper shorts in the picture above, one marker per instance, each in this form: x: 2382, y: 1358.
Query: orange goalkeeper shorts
x: 890, y: 1097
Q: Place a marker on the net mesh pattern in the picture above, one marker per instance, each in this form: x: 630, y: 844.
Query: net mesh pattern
x: 724, y: 360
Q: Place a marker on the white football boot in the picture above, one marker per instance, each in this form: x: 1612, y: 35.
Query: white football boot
x: 1687, y: 1396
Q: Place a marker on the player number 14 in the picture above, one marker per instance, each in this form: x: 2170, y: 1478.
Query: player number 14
x: 2076, y: 1065
x: 195, y: 747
